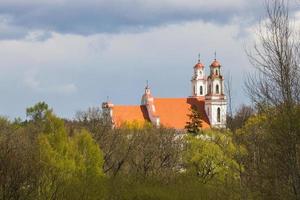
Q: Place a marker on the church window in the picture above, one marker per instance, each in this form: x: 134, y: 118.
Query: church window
x: 201, y: 90
x: 217, y: 89
x: 217, y: 72
x: 218, y: 115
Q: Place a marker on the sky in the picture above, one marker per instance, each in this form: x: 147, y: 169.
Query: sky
x: 72, y: 54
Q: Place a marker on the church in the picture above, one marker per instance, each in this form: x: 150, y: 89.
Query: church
x: 207, y: 96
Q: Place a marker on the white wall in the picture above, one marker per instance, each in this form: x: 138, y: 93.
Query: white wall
x: 211, y: 107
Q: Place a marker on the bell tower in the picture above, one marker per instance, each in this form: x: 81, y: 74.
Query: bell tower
x: 215, y: 100
x: 199, y: 80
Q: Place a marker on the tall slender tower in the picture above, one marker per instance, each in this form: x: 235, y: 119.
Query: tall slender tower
x: 215, y: 100
x: 199, y: 80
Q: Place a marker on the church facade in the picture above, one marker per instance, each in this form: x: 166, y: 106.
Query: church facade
x: 207, y: 96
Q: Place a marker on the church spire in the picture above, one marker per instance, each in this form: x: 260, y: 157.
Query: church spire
x: 147, y: 88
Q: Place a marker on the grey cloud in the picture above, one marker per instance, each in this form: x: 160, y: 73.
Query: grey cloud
x: 92, y: 17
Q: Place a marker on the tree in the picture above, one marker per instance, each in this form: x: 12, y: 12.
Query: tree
x: 211, y: 159
x: 211, y: 155
x: 38, y: 111
x: 240, y: 117
x: 193, y: 126
x: 72, y: 166
x: 276, y: 92
x: 88, y: 179
x: 19, y: 168
x: 276, y: 57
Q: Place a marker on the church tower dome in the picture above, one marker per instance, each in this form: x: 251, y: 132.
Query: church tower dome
x: 199, y: 65
x: 199, y: 80
x: 215, y: 63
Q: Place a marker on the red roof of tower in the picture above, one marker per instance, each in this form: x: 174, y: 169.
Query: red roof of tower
x: 199, y: 65
x: 215, y: 63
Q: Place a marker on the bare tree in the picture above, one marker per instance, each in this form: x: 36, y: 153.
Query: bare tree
x: 276, y: 57
x: 228, y: 89
x: 276, y: 89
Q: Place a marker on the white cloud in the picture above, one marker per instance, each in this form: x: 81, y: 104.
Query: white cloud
x: 73, y: 72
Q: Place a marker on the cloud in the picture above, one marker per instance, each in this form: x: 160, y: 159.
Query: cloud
x: 72, y: 72
x: 73, y: 54
x: 32, y: 82
x: 90, y: 17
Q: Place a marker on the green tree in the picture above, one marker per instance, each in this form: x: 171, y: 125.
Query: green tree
x: 211, y: 155
x: 88, y: 180
x: 38, y: 111
x: 211, y: 159
x: 194, y: 125
x: 72, y: 166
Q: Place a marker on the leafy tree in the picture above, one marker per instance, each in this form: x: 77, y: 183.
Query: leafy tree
x: 211, y: 155
x: 72, y: 166
x: 88, y: 180
x: 193, y: 126
x: 38, y: 111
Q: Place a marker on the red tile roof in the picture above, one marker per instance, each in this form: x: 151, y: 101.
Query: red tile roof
x: 123, y: 114
x: 171, y: 111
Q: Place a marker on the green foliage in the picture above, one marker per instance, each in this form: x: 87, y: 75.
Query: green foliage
x: 193, y: 126
x: 270, y: 139
x: 72, y: 166
x: 136, y: 125
x: 38, y: 111
x: 88, y: 180
x: 49, y: 158
x: 211, y: 155
x: 184, y: 186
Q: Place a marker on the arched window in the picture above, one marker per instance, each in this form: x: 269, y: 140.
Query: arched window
x: 218, y: 115
x: 217, y: 89
x: 217, y: 72
x: 194, y: 90
x: 201, y: 90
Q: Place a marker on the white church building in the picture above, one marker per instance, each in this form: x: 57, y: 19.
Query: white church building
x: 207, y: 96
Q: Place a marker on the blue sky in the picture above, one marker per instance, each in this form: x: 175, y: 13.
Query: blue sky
x: 74, y: 53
